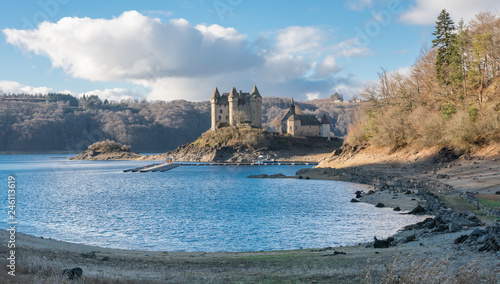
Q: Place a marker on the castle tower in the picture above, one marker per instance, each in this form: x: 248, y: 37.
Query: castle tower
x: 256, y: 107
x: 325, y: 127
x: 233, y: 105
x: 213, y: 102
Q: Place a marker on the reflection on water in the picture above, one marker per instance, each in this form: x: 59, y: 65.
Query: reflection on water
x: 188, y: 208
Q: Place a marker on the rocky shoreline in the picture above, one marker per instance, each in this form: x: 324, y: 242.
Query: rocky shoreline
x: 422, y: 195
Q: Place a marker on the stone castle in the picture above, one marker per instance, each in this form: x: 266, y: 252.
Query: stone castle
x: 236, y: 107
x: 299, y: 125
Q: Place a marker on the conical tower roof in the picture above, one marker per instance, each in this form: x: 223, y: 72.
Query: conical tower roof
x: 216, y: 94
x: 255, y: 92
x: 293, y: 104
x: 233, y: 93
x: 324, y: 120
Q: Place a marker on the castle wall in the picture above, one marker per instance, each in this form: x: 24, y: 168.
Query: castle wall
x: 221, y: 113
x: 325, y: 130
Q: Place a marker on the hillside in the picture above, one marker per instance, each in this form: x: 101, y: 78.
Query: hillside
x: 449, y: 98
x: 41, y: 124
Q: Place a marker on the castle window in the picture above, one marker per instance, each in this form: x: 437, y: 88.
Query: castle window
x: 227, y: 117
x: 295, y: 127
x: 219, y: 117
x: 220, y: 111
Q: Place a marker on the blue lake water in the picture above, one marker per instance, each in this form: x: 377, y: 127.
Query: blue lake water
x: 188, y: 208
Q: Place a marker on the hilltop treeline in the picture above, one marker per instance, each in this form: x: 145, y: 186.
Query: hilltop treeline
x: 61, y: 122
x: 450, y: 97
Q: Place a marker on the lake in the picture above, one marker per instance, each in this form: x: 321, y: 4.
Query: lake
x: 189, y: 208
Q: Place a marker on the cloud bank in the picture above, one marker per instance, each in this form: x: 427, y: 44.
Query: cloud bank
x: 425, y: 12
x: 177, y: 60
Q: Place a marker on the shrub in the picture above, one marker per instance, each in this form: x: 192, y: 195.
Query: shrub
x: 109, y: 146
x: 447, y: 110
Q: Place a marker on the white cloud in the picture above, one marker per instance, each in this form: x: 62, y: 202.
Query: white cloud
x: 328, y: 67
x: 215, y: 32
x: 425, y: 12
x: 115, y: 94
x: 312, y: 96
x: 133, y: 46
x: 358, y: 5
x: 177, y: 60
x: 18, y: 88
x: 300, y: 40
x: 351, y: 48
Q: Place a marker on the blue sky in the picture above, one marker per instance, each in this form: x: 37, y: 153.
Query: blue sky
x: 166, y: 50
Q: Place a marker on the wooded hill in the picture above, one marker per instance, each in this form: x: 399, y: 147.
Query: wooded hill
x: 59, y: 122
x: 449, y: 98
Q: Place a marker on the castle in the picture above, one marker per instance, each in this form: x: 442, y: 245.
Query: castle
x: 304, y: 125
x: 236, y: 107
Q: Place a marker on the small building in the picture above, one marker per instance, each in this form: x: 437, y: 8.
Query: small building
x: 236, y: 107
x: 304, y: 125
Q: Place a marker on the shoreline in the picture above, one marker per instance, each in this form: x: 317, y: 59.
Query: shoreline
x: 420, y: 243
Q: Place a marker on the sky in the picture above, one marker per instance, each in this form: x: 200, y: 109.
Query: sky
x: 178, y: 49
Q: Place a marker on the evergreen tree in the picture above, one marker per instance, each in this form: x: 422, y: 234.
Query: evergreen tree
x: 448, y: 59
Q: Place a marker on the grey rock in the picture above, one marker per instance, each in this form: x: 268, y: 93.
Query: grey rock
x: 72, y: 273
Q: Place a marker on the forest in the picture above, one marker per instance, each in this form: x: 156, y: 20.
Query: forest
x: 63, y: 123
x: 449, y: 98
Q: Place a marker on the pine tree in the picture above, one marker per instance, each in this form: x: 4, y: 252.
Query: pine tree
x: 448, y: 59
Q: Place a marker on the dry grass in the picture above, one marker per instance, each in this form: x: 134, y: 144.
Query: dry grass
x: 439, y: 271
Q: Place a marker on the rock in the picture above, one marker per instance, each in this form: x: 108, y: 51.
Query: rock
x: 380, y: 205
x: 354, y: 200
x: 461, y: 239
x: 382, y: 243
x: 358, y: 195
x: 498, y: 192
x: 73, y: 273
x: 477, y: 232
x: 280, y: 175
x: 397, y: 209
x: 411, y: 238
x: 371, y: 192
x: 300, y: 177
x: 258, y: 176
x: 482, y: 239
x: 490, y: 245
x: 417, y: 210
x: 90, y: 254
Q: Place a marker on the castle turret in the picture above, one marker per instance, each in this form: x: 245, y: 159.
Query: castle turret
x: 256, y: 107
x: 233, y: 105
x: 213, y: 102
x: 325, y: 127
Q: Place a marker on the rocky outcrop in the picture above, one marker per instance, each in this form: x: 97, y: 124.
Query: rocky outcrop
x: 487, y: 239
x: 105, y: 156
x: 246, y: 145
x: 267, y: 176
